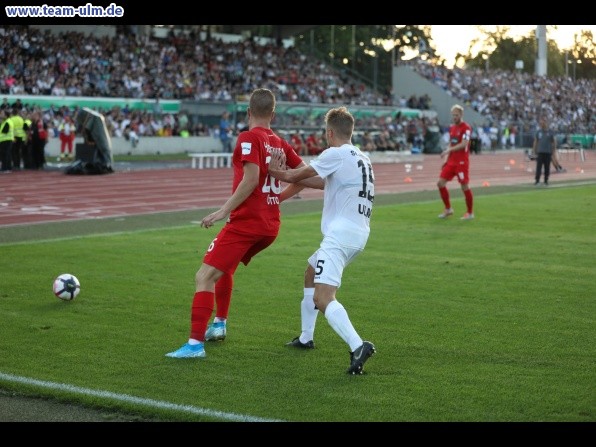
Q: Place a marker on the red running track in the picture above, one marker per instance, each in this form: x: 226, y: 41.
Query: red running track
x: 46, y: 196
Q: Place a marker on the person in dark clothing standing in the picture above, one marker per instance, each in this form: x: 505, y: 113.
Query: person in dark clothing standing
x: 19, y: 139
x: 545, y: 145
x: 39, y: 138
x: 27, y: 149
x: 225, y: 132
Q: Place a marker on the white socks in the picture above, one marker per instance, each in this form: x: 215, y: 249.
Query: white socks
x: 340, y: 322
x: 336, y: 316
x: 309, y: 315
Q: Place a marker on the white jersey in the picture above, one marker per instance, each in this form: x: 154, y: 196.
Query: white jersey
x: 349, y: 194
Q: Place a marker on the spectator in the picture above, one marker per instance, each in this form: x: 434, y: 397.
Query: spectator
x: 225, y: 131
x: 39, y: 139
x: 298, y: 143
x: 27, y: 149
x: 314, y: 145
x: 368, y: 143
x: 157, y: 109
x: 499, y: 95
x: 131, y: 135
x: 66, y: 131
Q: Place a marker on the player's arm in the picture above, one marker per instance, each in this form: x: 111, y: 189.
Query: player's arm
x: 313, y: 182
x: 293, y: 175
x: 302, y: 172
x: 456, y: 147
x: 290, y: 191
x: 294, y: 188
x: 247, y: 185
x: 465, y: 140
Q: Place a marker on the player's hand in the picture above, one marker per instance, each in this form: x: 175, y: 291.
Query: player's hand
x: 210, y: 219
x: 278, y: 160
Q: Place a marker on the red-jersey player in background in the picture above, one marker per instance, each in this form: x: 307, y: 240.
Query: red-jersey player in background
x: 253, y: 223
x: 457, y: 164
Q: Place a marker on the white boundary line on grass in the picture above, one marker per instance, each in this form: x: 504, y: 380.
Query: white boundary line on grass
x: 135, y: 400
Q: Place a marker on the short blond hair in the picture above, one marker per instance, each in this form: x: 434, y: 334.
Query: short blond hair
x: 341, y: 121
x: 457, y: 107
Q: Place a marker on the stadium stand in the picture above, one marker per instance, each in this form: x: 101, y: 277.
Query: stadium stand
x: 186, y: 70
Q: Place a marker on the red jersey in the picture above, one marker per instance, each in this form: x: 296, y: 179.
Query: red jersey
x: 457, y: 133
x: 296, y: 142
x: 312, y: 145
x: 259, y: 213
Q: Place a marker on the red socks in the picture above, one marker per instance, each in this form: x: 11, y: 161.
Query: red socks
x: 202, y: 308
x: 469, y: 200
x: 445, y: 197
x: 223, y: 295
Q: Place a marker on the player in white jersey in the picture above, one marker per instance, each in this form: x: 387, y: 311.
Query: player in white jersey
x: 349, y: 192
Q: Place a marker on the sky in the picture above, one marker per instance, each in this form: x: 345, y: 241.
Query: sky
x: 452, y: 39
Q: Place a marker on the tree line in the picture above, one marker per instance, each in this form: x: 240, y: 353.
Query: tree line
x: 369, y: 51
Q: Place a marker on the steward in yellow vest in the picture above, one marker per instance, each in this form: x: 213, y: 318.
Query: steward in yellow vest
x: 6, y: 138
x: 19, y: 139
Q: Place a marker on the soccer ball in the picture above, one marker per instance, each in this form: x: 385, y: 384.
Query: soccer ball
x: 66, y: 287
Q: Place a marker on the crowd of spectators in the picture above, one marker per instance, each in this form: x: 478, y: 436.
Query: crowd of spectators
x: 39, y: 62
x: 36, y: 62
x: 516, y: 97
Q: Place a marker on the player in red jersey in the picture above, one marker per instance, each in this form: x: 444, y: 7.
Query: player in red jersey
x: 457, y: 164
x: 252, y: 225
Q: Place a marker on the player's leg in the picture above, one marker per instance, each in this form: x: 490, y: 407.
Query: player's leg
x: 308, y: 310
x: 217, y: 330
x: 201, y: 310
x: 223, y: 256
x: 330, y: 264
x: 444, y: 177
x: 464, y: 180
x: 238, y: 248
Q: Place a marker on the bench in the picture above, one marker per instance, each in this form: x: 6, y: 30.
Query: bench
x: 211, y: 160
x: 577, y: 150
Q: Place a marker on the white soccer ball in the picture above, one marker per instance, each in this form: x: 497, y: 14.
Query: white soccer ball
x: 66, y: 287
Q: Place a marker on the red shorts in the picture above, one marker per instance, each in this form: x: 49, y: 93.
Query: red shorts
x: 231, y: 247
x: 461, y: 171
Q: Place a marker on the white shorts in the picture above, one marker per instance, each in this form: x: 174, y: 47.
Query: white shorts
x: 330, y: 260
